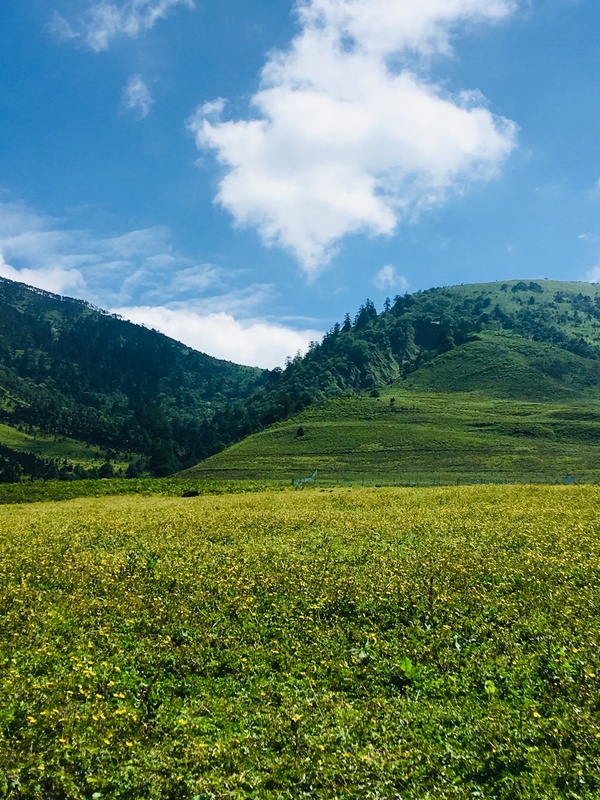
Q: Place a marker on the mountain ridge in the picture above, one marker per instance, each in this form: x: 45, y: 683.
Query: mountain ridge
x: 146, y: 403
x: 70, y: 370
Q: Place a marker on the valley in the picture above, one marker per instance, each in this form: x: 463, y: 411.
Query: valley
x: 373, y: 573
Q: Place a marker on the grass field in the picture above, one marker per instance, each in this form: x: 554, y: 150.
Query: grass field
x: 421, y: 438
x: 61, y: 448
x: 347, y: 643
x: 43, y: 491
x: 498, y: 364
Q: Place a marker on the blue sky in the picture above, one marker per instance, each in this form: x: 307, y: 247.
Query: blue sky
x: 240, y: 174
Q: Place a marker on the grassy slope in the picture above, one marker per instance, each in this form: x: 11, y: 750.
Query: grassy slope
x: 448, y: 424
x: 443, y: 436
x: 55, y: 447
x: 368, y: 644
x: 501, y: 364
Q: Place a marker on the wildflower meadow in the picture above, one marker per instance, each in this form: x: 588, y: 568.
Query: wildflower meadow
x: 348, y: 643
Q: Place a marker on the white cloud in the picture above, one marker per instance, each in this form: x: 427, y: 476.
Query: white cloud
x: 197, y: 279
x: 593, y: 275
x: 18, y: 217
x: 344, y: 143
x: 257, y: 343
x: 111, y: 268
x: 389, y: 278
x: 142, y: 277
x: 137, y: 97
x: 132, y: 267
x: 104, y: 21
x: 61, y: 28
x: 52, y: 279
x: 392, y: 26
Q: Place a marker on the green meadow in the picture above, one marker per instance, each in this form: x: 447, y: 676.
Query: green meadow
x: 56, y: 447
x: 421, y: 437
x: 404, y: 643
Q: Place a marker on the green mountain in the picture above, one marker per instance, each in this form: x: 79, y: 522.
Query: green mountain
x: 409, y: 437
x: 81, y: 388
x: 374, y: 350
x: 487, y: 381
x: 479, y: 382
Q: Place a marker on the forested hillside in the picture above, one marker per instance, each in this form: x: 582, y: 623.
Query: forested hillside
x: 375, y: 349
x: 70, y: 370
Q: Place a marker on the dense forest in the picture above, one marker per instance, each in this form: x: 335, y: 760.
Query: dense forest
x: 71, y: 370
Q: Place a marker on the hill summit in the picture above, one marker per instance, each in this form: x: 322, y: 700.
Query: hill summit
x: 549, y: 346
x: 481, y: 382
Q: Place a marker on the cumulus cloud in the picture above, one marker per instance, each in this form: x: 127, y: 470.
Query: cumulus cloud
x: 103, y: 21
x: 51, y: 279
x: 137, y: 97
x: 389, y: 278
x: 343, y: 140
x: 257, y: 343
x: 392, y: 26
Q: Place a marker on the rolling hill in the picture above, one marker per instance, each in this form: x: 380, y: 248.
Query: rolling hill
x: 490, y: 382
x: 505, y: 365
x: 497, y: 381
x: 375, y: 350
